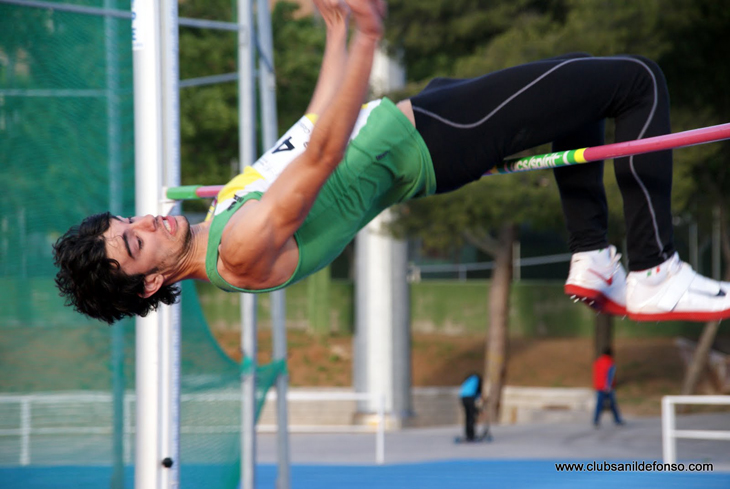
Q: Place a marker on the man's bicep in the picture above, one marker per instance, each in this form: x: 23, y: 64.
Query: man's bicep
x: 249, y: 240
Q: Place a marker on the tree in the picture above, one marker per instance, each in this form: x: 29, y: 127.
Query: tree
x: 696, y: 67
x: 433, y: 36
x: 486, y: 214
x: 684, y: 36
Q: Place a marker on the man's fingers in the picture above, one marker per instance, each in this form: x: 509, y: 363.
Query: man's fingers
x: 332, y: 8
x: 368, y: 16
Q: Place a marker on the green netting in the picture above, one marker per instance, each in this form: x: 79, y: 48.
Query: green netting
x: 67, y: 383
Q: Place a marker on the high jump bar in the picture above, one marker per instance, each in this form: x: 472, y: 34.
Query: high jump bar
x: 675, y: 140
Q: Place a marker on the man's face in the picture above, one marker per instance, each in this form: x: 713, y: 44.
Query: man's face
x: 144, y: 244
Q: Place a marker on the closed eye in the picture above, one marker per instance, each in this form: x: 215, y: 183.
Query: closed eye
x: 139, y: 241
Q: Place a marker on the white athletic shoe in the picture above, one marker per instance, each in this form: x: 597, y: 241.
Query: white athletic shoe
x: 598, y: 279
x: 673, y: 291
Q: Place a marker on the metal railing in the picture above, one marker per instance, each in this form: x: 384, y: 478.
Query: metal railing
x: 670, y: 433
x: 84, y: 414
x: 415, y: 272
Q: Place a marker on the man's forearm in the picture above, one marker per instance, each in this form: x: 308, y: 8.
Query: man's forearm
x: 333, y: 67
x: 333, y: 130
x: 287, y: 202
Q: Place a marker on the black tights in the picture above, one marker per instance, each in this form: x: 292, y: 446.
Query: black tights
x: 470, y: 125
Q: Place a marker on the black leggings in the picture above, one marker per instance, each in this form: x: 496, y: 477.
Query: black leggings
x: 470, y: 125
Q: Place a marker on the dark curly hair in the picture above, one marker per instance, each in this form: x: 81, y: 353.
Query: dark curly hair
x: 95, y: 284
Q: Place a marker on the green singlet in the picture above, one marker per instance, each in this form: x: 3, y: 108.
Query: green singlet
x: 387, y: 162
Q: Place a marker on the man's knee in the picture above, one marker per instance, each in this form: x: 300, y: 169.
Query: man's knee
x: 651, y: 71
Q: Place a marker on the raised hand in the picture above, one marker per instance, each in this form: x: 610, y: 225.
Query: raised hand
x: 368, y: 16
x: 333, y: 12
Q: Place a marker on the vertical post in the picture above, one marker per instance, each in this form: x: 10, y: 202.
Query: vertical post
x: 248, y: 408
x: 669, y: 447
x: 128, y: 441
x: 267, y: 77
x: 169, y: 408
x: 401, y: 333
x: 380, y: 437
x: 170, y: 315
x: 113, y: 128
x: 282, y: 417
x: 382, y: 327
x: 25, y: 428
x: 374, y: 311
x: 118, y: 387
x: 148, y: 183
x: 114, y: 157
x: 267, y: 96
x: 247, y: 155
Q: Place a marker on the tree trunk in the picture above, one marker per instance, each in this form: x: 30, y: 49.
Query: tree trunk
x: 604, y: 333
x: 700, y: 358
x: 499, y: 292
x: 707, y: 338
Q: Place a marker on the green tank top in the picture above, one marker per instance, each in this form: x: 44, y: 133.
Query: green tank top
x: 387, y: 162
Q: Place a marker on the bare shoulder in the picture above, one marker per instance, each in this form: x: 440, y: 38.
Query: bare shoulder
x: 248, y: 256
x: 406, y: 107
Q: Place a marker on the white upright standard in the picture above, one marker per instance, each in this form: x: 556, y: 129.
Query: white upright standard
x: 154, y: 32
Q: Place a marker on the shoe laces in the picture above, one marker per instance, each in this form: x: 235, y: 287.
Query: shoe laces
x: 615, y: 263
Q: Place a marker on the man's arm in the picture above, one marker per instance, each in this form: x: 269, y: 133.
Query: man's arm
x: 335, y: 14
x: 256, y: 235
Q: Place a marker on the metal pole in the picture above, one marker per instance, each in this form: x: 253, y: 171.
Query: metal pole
x: 380, y: 438
x: 669, y: 448
x: 248, y: 408
x: 267, y: 96
x: 148, y: 182
x: 247, y: 155
x: 114, y: 155
x: 25, y: 429
x: 267, y: 77
x: 282, y: 382
x: 170, y: 318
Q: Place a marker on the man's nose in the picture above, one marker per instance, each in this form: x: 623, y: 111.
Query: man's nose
x: 146, y: 222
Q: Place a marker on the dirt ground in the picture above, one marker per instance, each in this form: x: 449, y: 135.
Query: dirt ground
x: 647, y: 368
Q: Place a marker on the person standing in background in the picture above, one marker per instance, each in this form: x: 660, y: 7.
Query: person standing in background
x: 604, y: 382
x: 470, y: 393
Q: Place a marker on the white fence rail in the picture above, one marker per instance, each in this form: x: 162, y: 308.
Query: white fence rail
x: 75, y: 415
x: 670, y: 433
x: 321, y: 397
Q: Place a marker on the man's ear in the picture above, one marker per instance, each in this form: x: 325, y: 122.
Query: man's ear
x: 152, y: 283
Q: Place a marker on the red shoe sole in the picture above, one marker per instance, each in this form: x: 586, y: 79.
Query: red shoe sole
x: 699, y: 317
x: 601, y: 303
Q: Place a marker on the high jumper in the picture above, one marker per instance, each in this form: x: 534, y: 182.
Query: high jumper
x: 294, y: 210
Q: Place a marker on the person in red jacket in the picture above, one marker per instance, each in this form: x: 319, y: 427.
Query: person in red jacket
x: 604, y: 381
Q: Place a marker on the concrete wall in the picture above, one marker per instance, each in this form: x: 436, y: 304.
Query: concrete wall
x: 440, y: 406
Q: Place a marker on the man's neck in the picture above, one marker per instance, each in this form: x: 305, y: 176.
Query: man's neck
x: 192, y: 264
